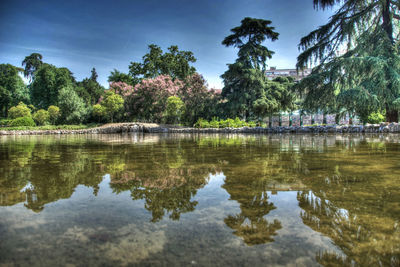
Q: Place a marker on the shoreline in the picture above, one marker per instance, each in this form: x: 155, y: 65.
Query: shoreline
x: 135, y: 127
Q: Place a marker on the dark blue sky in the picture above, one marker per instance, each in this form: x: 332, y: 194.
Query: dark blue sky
x: 83, y: 34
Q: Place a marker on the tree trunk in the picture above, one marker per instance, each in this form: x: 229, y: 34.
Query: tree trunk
x: 387, y: 21
x: 392, y: 116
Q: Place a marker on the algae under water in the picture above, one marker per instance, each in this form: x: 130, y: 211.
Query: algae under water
x: 179, y: 200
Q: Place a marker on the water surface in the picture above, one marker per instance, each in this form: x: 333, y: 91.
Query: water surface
x: 179, y: 200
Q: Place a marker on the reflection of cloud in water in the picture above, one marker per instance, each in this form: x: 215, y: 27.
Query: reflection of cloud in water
x: 132, y: 245
x: 16, y: 218
x: 127, y: 245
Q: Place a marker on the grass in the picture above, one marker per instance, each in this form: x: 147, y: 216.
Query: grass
x: 50, y: 127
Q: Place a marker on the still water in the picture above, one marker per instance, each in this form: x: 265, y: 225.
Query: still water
x: 182, y: 200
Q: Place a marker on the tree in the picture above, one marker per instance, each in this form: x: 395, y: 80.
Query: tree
x: 117, y: 76
x: 99, y: 111
x: 246, y: 87
x: 41, y: 117
x: 54, y: 114
x: 48, y: 82
x: 149, y: 98
x: 174, y: 63
x: 365, y: 79
x: 94, y: 75
x: 12, y: 88
x: 112, y: 103
x: 174, y: 110
x: 90, y: 90
x: 73, y: 108
x: 248, y: 37
x: 32, y: 63
x: 199, y: 101
x: 277, y: 96
x: 21, y: 110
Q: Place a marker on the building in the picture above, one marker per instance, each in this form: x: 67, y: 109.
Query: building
x: 272, y: 73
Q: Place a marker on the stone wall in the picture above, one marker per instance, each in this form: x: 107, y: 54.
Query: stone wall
x: 159, y: 128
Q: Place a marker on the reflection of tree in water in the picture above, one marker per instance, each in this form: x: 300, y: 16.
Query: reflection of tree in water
x: 360, y: 214
x: 168, y: 191
x: 167, y: 178
x: 250, y: 223
x: 51, y: 170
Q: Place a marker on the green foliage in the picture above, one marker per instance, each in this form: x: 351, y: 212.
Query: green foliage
x: 41, y: 117
x: 220, y: 123
x: 214, y: 123
x: 248, y: 38
x: 117, y: 76
x: 89, y: 90
x: 48, y: 82
x: 99, y: 111
x: 73, y: 108
x: 112, y: 104
x: 248, y: 91
x: 32, y: 63
x: 366, y: 78
x: 174, y: 63
x: 202, y: 123
x: 21, y: 110
x: 22, y: 121
x: 199, y: 101
x: 12, y: 88
x: 174, y: 110
x: 5, y: 122
x: 375, y: 117
x: 51, y: 127
x: 93, y: 75
x: 54, y: 114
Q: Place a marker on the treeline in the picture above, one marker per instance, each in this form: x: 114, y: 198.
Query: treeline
x: 163, y: 87
x: 363, y: 81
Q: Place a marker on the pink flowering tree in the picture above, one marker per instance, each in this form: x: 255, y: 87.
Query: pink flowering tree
x: 121, y: 88
x: 199, y: 101
x: 148, y: 99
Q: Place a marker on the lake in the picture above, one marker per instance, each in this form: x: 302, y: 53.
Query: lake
x: 201, y: 200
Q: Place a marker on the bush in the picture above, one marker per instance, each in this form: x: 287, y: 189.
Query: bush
x: 202, y: 123
x: 54, y: 113
x: 22, y: 121
x: 215, y: 123
x: 21, y: 110
x: 5, y: 122
x: 174, y: 110
x: 41, y: 117
x: 375, y: 118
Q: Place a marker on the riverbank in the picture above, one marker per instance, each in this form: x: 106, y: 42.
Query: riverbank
x: 162, y: 128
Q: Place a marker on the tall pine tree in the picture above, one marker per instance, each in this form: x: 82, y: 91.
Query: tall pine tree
x: 246, y: 87
x: 366, y: 77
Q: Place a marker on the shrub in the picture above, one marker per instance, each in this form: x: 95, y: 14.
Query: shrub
x: 375, y: 117
x: 54, y: 113
x: 41, y: 117
x: 174, y: 110
x: 21, y: 110
x: 252, y: 124
x: 73, y: 108
x: 215, y: 123
x: 5, y: 122
x: 22, y: 121
x: 98, y: 111
x: 202, y: 123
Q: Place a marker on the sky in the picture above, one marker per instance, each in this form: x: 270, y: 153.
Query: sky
x: 109, y: 35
